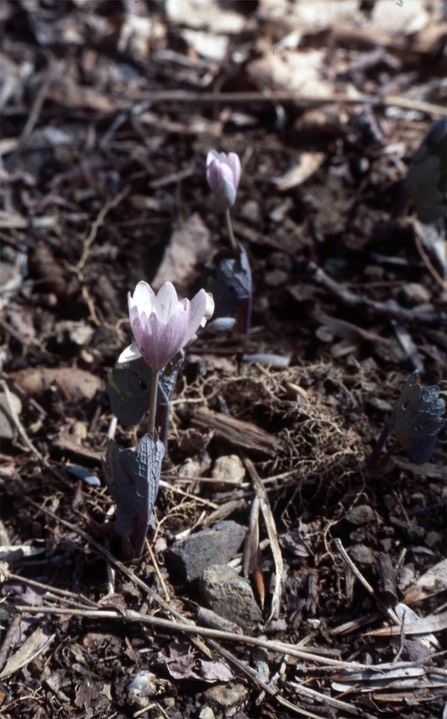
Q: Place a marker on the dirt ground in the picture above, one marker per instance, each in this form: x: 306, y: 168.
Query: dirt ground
x: 108, y: 111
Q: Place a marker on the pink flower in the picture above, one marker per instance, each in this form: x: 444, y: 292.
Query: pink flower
x: 162, y: 324
x: 223, y: 173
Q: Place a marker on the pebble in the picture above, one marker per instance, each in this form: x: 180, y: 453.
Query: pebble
x: 7, y: 426
x: 281, y: 261
x: 226, y: 697
x: 141, y: 688
x: 250, y: 211
x: 276, y: 278
x: 362, y: 514
x: 230, y: 595
x: 413, y: 293
x: 217, y: 545
x: 361, y: 554
x: 228, y: 469
x: 207, y: 713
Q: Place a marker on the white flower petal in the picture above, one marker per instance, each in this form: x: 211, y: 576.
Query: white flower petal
x: 198, y: 308
x: 130, y: 354
x: 166, y: 301
x: 212, y: 155
x: 143, y: 298
x: 209, y: 309
x: 234, y: 163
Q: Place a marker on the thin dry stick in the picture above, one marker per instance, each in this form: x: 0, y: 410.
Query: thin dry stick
x: 157, y: 571
x: 199, y: 500
x: 64, y: 593
x: 33, y: 115
x: 427, y: 261
x: 348, y: 561
x: 183, y: 96
x: 132, y: 617
x: 17, y: 423
x: 124, y: 570
x: 390, y: 310
x: 319, y: 697
x: 89, y: 240
x: 256, y: 678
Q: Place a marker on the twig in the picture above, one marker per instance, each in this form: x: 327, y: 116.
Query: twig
x: 382, y: 309
x: 34, y: 113
x: 64, y: 593
x: 348, y: 561
x: 157, y: 571
x: 17, y: 423
x: 243, y: 667
x: 426, y: 259
x: 159, y: 96
x: 89, y: 240
x: 132, y: 617
x: 319, y: 697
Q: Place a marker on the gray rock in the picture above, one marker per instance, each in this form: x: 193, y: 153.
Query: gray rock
x: 226, y: 697
x: 362, y: 514
x: 230, y: 596
x: 7, y: 426
x: 276, y: 278
x: 413, y: 294
x: 141, y: 688
x: 217, y: 545
x: 361, y: 554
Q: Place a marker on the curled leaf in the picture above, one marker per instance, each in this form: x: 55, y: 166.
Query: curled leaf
x: 418, y: 418
x: 132, y: 477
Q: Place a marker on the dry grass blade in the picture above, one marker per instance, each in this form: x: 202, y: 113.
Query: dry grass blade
x: 272, y: 535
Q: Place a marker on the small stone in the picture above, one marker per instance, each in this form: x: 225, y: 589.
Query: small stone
x: 374, y: 273
x: 261, y: 304
x: 207, y: 713
x: 381, y: 405
x: 7, y: 426
x: 250, y: 211
x: 141, y: 688
x: 413, y: 293
x: 217, y: 545
x: 362, y: 514
x: 281, y: 261
x: 230, y: 595
x: 433, y: 540
x: 228, y: 469
x: 361, y: 554
x: 215, y: 621
x: 276, y: 278
x: 226, y: 697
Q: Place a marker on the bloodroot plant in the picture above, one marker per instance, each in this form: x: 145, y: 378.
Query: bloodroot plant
x: 232, y: 283
x: 162, y: 326
x: 416, y: 421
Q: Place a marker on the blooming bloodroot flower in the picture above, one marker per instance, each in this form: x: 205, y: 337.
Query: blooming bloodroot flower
x: 223, y: 173
x: 162, y: 324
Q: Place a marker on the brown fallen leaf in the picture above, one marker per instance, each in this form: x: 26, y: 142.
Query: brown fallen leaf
x: 36, y: 644
x: 189, y: 245
x: 305, y: 166
x: 76, y: 384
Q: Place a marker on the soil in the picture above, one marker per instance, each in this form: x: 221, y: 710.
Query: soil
x: 109, y: 110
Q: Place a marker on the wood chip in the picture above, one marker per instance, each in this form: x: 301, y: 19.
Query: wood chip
x: 237, y: 433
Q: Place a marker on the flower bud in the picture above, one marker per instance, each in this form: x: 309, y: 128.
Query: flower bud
x: 223, y: 174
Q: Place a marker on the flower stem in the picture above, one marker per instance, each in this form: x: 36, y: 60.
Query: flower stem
x: 233, y: 241
x: 153, y: 404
